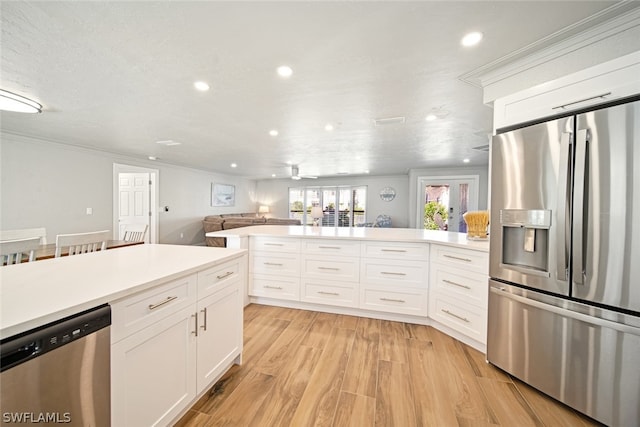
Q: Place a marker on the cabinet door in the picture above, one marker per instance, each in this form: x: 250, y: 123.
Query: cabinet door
x: 153, y: 372
x: 219, y: 333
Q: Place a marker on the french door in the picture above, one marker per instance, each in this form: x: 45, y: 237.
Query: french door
x: 443, y: 200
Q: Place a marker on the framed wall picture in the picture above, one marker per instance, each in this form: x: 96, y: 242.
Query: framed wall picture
x: 223, y: 195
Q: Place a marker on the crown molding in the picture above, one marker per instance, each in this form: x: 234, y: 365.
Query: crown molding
x: 602, y: 25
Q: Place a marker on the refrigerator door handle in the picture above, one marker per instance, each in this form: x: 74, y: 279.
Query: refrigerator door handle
x: 581, y: 147
x: 563, y: 202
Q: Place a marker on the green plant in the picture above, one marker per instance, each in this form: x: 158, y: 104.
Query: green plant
x: 430, y: 210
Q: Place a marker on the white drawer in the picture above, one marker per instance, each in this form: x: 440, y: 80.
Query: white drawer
x: 331, y: 268
x: 138, y: 311
x: 274, y: 244
x: 274, y: 263
x: 462, y: 258
x: 340, y: 294
x: 330, y: 247
x: 467, y: 286
x: 394, y: 302
x: 464, y: 318
x: 280, y: 287
x: 412, y: 274
x: 395, y: 250
x: 216, y: 278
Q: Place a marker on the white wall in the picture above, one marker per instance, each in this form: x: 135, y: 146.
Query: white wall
x: 46, y: 184
x: 275, y: 194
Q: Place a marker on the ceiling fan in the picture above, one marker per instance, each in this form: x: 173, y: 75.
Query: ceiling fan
x: 295, y: 174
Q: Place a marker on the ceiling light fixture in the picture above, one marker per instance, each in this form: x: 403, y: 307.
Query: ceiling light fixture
x: 285, y: 71
x: 388, y: 121
x: 273, y: 175
x: 234, y: 165
x: 328, y: 127
x: 466, y: 160
x: 9, y: 101
x: 201, y: 86
x: 431, y: 117
x: 152, y: 158
x: 273, y: 132
x: 471, y: 39
x: 168, y: 143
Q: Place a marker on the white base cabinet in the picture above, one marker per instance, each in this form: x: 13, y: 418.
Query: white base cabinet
x: 172, y: 342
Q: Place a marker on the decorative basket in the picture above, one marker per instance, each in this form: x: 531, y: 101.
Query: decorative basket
x: 477, y: 223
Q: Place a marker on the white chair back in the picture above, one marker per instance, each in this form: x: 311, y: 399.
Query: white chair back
x: 82, y: 243
x: 25, y: 233
x: 13, y: 251
x: 135, y: 232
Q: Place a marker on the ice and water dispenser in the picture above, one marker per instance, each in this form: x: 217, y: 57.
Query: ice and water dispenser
x: 525, y: 240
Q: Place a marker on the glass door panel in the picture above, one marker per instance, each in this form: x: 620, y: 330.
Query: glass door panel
x: 443, y: 201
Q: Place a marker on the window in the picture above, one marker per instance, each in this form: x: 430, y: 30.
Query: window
x: 342, y: 206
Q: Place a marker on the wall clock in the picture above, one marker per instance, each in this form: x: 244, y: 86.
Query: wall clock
x: 387, y: 194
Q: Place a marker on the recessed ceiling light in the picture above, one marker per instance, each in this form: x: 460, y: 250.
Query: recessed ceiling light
x: 328, y: 127
x: 19, y: 104
x: 466, y: 160
x: 431, y: 117
x: 168, y: 142
x: 234, y: 165
x: 273, y: 175
x: 201, y: 86
x: 471, y: 39
x: 273, y: 132
x: 285, y: 71
x: 289, y: 162
x: 152, y: 158
x: 367, y: 171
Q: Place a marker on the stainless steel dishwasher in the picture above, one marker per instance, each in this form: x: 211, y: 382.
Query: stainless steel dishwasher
x: 58, y: 373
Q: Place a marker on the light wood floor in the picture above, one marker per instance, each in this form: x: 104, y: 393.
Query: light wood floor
x: 304, y: 368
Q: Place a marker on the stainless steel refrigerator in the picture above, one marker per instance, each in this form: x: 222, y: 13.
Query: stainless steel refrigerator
x: 564, y: 293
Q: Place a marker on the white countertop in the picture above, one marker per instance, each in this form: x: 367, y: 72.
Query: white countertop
x: 36, y: 293
x: 357, y: 233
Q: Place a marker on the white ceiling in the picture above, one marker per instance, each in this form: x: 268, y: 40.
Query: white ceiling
x: 118, y: 76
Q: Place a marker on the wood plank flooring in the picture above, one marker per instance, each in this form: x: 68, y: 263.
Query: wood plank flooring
x: 304, y: 368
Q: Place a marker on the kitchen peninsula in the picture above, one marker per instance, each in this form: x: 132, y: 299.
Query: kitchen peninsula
x: 426, y: 277
x: 168, y: 303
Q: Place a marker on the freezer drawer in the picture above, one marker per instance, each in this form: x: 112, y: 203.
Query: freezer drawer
x: 575, y: 353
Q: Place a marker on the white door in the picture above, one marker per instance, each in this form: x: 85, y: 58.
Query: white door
x: 133, y: 206
x: 443, y: 200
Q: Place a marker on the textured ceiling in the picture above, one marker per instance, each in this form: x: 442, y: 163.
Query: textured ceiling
x: 118, y: 76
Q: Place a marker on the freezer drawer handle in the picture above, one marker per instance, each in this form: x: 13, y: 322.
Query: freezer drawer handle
x: 464, y: 319
x: 563, y: 106
x: 456, y: 284
x: 161, y: 303
x: 457, y: 258
x: 621, y: 327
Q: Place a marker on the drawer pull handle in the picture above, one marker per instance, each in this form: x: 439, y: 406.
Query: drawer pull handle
x: 393, y: 273
x: 328, y: 293
x: 195, y: 331
x: 464, y: 319
x: 329, y: 247
x: 274, y: 244
x: 394, y: 250
x: 392, y: 300
x: 222, y: 276
x: 161, y: 303
x: 458, y: 258
x: 329, y: 268
x: 204, y: 325
x: 272, y: 287
x: 273, y: 263
x: 456, y: 284
x: 582, y: 100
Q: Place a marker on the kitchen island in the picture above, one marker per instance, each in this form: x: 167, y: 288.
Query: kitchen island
x: 169, y: 304
x: 427, y: 277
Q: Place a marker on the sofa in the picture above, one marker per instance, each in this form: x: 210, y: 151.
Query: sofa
x: 236, y: 220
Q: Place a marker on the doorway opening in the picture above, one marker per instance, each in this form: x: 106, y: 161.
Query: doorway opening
x: 443, y: 200
x: 135, y: 197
